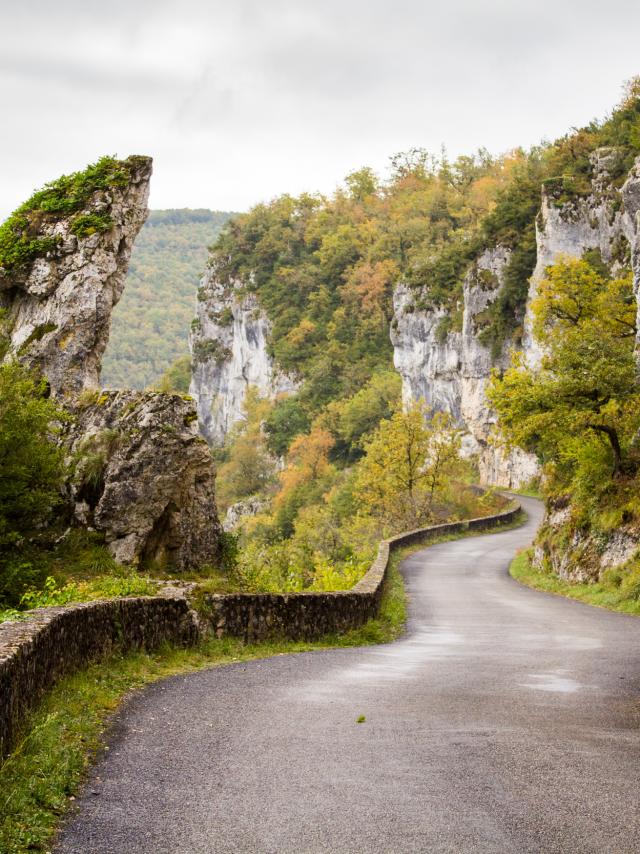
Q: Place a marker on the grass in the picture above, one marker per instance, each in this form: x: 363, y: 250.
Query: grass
x: 608, y: 594
x: 529, y: 490
x: 39, y: 780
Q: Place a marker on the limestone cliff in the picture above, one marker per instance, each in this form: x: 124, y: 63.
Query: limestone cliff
x: 229, y: 346
x: 140, y: 473
x: 450, y: 367
x: 607, y: 220
x: 58, y: 304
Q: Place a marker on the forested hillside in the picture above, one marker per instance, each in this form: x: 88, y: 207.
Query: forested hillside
x: 151, y: 322
x: 324, y: 271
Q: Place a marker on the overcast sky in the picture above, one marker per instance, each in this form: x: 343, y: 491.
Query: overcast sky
x: 241, y: 100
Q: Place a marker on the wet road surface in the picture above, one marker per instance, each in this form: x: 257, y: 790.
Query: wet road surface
x: 506, y: 720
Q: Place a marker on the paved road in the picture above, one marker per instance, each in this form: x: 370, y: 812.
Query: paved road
x: 505, y: 721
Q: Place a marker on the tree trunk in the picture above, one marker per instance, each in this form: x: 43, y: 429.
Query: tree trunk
x: 612, y: 435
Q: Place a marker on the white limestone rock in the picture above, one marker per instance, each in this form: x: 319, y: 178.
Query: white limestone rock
x: 59, y: 306
x: 229, y: 346
x: 243, y: 509
x: 451, y: 371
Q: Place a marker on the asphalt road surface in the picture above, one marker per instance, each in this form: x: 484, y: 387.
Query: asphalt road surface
x: 506, y: 720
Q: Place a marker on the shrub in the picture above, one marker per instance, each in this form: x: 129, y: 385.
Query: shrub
x: 32, y: 471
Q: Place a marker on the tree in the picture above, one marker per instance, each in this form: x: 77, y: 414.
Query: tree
x: 31, y: 470
x: 362, y: 184
x: 249, y: 468
x: 287, y: 419
x: 585, y: 322
x: 177, y: 377
x: 407, y: 463
x: 306, y: 477
x: 307, y: 462
x: 352, y: 420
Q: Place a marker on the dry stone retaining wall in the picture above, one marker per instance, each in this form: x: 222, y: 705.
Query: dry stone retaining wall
x: 307, y: 616
x: 36, y: 653
x: 53, y: 642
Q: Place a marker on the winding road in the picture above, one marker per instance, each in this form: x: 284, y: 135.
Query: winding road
x: 506, y: 720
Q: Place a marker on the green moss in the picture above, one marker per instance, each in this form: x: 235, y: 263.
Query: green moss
x: 85, y: 224
x: 225, y: 317
x: 450, y: 322
x: 21, y: 240
x: 210, y: 348
x: 566, y: 188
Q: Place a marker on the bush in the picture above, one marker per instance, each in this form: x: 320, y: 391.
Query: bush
x: 32, y: 472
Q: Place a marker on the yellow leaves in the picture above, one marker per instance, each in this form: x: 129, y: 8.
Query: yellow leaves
x: 407, y: 462
x: 575, y: 294
x: 302, y: 333
x: 369, y: 287
x: 630, y: 93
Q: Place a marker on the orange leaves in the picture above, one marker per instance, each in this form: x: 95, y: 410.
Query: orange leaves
x: 308, y: 460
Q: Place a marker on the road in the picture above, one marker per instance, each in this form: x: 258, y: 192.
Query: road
x: 506, y: 720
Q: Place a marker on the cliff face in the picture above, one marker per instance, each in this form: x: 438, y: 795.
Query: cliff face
x: 140, y: 472
x: 450, y: 369
x: 229, y: 346
x: 59, y: 306
x: 608, y: 220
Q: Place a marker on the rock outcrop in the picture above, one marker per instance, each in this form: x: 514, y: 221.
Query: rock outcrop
x: 577, y: 555
x: 605, y: 220
x: 145, y: 478
x: 229, y: 347
x: 59, y: 305
x: 450, y: 368
x: 243, y: 509
x: 142, y: 475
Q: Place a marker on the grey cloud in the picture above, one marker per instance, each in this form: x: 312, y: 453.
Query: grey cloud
x: 240, y: 100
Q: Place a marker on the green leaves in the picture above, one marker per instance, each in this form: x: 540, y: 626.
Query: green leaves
x: 579, y: 411
x: 31, y: 468
x: 21, y: 238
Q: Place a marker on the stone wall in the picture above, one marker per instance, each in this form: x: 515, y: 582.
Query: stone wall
x: 307, y: 616
x: 53, y: 642
x: 36, y: 653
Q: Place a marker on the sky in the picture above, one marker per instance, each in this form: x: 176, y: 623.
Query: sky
x: 240, y: 101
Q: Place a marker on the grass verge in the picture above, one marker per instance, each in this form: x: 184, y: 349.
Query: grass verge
x: 607, y: 594
x: 40, y: 779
